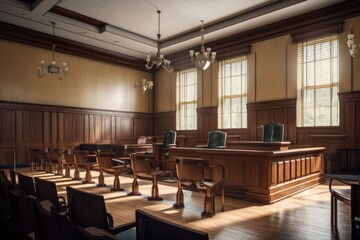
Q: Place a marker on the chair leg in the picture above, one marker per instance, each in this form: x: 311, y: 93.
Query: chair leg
x: 208, y: 204
x: 335, y: 212
x: 222, y: 199
x: 101, y: 179
x: 179, y: 197
x: 76, y: 173
x: 155, y: 190
x: 88, y: 178
x: 116, y: 182
x: 135, y: 188
x: 59, y: 169
x: 67, y: 171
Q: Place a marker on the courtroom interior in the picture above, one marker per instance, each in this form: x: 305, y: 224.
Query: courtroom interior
x: 164, y: 119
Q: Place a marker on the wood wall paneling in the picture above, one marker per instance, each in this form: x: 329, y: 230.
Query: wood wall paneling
x: 7, y: 126
x: 25, y: 126
x: 164, y: 122
x: 207, y: 121
x: 279, y: 111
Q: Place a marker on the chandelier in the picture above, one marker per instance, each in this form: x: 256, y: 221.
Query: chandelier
x: 58, y: 71
x: 159, y: 59
x: 353, y: 47
x: 202, y: 59
x: 144, y: 84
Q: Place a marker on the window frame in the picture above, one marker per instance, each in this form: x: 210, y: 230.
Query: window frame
x: 304, y: 86
x: 182, y: 122
x: 222, y: 96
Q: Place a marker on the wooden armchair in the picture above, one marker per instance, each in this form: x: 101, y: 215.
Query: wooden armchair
x: 105, y: 164
x: 46, y: 190
x: 89, y: 210
x: 216, y: 139
x: 88, y: 161
x: 196, y: 174
x: 341, y: 194
x: 70, y: 160
x: 145, y: 167
x: 35, y: 159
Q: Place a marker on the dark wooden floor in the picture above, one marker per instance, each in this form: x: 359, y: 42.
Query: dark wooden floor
x: 305, y: 215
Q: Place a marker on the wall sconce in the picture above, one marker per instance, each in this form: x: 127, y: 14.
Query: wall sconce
x: 353, y: 47
x: 144, y: 84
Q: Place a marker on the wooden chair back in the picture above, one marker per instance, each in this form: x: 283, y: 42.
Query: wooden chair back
x: 51, y: 224
x: 91, y: 214
x: 152, y: 227
x: 191, y: 169
x: 22, y: 215
x: 46, y: 190
x: 89, y: 210
x: 81, y: 156
x: 69, y: 157
x: 142, y: 163
x: 105, y: 160
x: 26, y: 184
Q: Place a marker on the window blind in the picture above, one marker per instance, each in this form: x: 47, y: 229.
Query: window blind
x: 318, y: 82
x: 186, y: 99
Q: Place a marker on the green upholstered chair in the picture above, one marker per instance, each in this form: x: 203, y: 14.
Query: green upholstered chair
x: 169, y: 141
x: 216, y: 139
x: 273, y: 132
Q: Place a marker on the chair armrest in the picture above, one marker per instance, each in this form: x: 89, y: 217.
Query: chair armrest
x: 110, y: 220
x: 221, y: 147
x: 123, y: 227
x: 62, y: 199
x: 172, y: 145
x: 346, y: 182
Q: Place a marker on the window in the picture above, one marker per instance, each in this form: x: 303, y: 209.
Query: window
x: 232, y: 93
x: 318, y: 83
x: 186, y: 99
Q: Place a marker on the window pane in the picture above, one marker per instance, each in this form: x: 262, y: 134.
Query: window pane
x: 186, y: 99
x: 232, y: 93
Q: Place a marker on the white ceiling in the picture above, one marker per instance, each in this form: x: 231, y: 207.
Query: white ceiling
x: 132, y: 25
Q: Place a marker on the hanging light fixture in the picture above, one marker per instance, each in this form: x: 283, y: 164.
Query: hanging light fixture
x: 353, y: 47
x: 144, y: 85
x: 202, y: 59
x: 58, y: 71
x: 159, y: 59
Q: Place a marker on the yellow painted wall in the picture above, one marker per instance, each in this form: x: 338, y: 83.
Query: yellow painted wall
x: 89, y: 83
x: 272, y: 66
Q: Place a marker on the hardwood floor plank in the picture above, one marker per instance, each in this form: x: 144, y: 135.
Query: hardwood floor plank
x: 305, y: 215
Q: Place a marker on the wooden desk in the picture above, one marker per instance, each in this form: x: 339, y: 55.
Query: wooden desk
x: 263, y: 176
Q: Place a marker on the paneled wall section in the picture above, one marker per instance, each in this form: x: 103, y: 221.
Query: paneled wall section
x: 25, y: 126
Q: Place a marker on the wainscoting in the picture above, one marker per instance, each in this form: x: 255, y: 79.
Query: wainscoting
x: 24, y: 126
